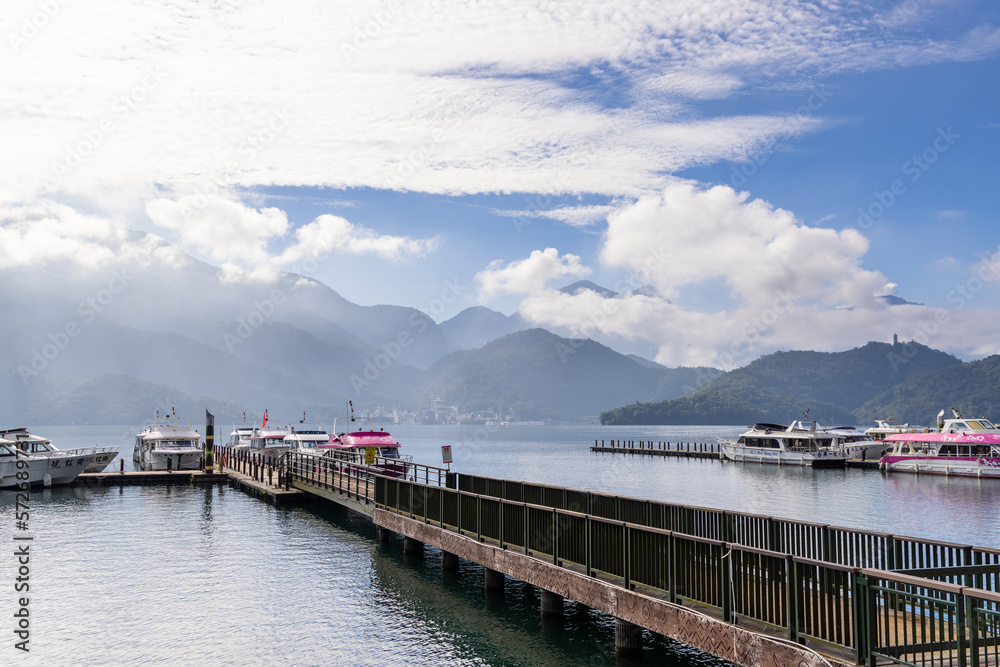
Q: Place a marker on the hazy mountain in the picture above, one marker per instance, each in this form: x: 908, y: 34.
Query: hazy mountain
x: 780, y: 387
x: 478, y: 325
x: 544, y: 376
x: 894, y: 300
x: 580, y: 285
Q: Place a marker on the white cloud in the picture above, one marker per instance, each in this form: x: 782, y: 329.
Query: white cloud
x: 49, y: 233
x: 332, y: 233
x: 688, y: 235
x: 527, y: 276
x: 224, y: 230
x: 132, y: 95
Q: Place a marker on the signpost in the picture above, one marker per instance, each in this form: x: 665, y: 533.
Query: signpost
x: 209, y: 442
x: 446, y: 455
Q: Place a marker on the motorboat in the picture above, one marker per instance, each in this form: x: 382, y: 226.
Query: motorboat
x: 961, y: 446
x: 801, y: 443
x: 889, y: 426
x: 269, y: 441
x: 168, y: 443
x: 22, y: 452
x: 376, y: 449
x: 858, y: 444
x: 306, y: 437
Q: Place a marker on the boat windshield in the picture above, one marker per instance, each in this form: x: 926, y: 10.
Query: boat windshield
x: 6, y: 451
x: 390, y: 453
x: 175, y: 444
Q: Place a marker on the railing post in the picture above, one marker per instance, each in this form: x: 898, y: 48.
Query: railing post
x: 965, y: 607
x: 672, y: 568
x: 527, y: 519
x: 501, y: 524
x: 626, y: 560
x: 862, y: 606
x: 555, y: 537
x: 479, y: 518
x: 792, y: 587
x: 590, y: 546
x: 726, y: 580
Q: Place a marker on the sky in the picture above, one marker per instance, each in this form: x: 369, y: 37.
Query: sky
x: 748, y: 176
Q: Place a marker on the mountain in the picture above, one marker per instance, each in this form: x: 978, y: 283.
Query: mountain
x: 580, y: 285
x: 973, y: 388
x: 478, y: 325
x: 543, y: 376
x: 779, y: 387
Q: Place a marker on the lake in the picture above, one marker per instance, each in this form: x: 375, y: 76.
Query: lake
x: 183, y: 575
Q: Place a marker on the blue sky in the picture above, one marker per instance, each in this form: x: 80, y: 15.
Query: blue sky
x: 723, y: 152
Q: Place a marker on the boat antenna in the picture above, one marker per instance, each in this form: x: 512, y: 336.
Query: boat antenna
x: 805, y: 415
x: 958, y: 415
x: 350, y: 407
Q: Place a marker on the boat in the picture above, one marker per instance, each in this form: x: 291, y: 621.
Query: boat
x: 239, y: 437
x: 858, y: 444
x: 168, y: 443
x: 35, y: 456
x: 801, y: 443
x: 103, y: 456
x: 889, y: 426
x: 967, y: 447
x: 306, y: 437
x: 269, y: 441
x: 376, y: 449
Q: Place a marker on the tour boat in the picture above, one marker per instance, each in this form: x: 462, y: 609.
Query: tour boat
x: 885, y: 427
x: 269, y: 440
x: 858, y: 444
x: 168, y: 443
x: 39, y: 459
x: 802, y: 443
x: 969, y: 447
x: 377, y: 449
x: 306, y: 437
x: 103, y: 456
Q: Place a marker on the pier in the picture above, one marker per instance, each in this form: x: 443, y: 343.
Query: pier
x: 691, y: 450
x: 748, y: 588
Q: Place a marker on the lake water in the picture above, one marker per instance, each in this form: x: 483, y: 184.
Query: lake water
x: 211, y: 576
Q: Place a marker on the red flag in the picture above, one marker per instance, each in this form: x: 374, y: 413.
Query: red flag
x: 264, y: 423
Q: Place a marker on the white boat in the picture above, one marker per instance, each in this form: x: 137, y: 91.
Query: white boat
x: 802, y: 443
x: 967, y: 447
x: 858, y: 444
x: 35, y: 456
x: 168, y: 443
x: 269, y: 440
x: 239, y: 437
x: 886, y: 427
x: 305, y: 437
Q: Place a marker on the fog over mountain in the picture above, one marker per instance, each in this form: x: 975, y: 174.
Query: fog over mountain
x: 148, y: 328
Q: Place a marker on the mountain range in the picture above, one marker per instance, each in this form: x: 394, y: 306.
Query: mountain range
x: 155, y: 330
x: 908, y: 381
x: 164, y: 330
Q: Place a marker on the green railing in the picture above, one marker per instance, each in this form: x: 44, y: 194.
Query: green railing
x: 831, y: 585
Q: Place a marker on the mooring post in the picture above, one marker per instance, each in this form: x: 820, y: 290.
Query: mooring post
x: 552, y: 603
x: 628, y: 638
x: 449, y: 561
x: 493, y: 581
x: 209, y: 442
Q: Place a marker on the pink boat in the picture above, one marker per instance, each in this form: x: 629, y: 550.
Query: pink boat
x: 968, y: 447
x: 376, y: 449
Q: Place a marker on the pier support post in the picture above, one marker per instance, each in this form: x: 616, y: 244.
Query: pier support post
x: 628, y: 638
x: 449, y: 561
x: 384, y: 534
x: 493, y: 580
x: 552, y: 603
x: 412, y: 546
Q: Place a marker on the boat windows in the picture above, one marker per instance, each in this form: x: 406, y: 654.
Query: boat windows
x: 390, y: 453
x: 6, y: 451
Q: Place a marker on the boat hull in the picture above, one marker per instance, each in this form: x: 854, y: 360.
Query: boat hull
x: 61, y: 469
x: 741, y: 454
x: 943, y: 465
x: 178, y: 460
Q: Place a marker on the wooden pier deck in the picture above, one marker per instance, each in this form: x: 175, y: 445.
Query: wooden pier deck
x: 691, y: 450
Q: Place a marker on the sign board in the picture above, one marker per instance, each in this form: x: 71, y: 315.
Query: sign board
x: 370, y: 455
x: 446, y: 454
